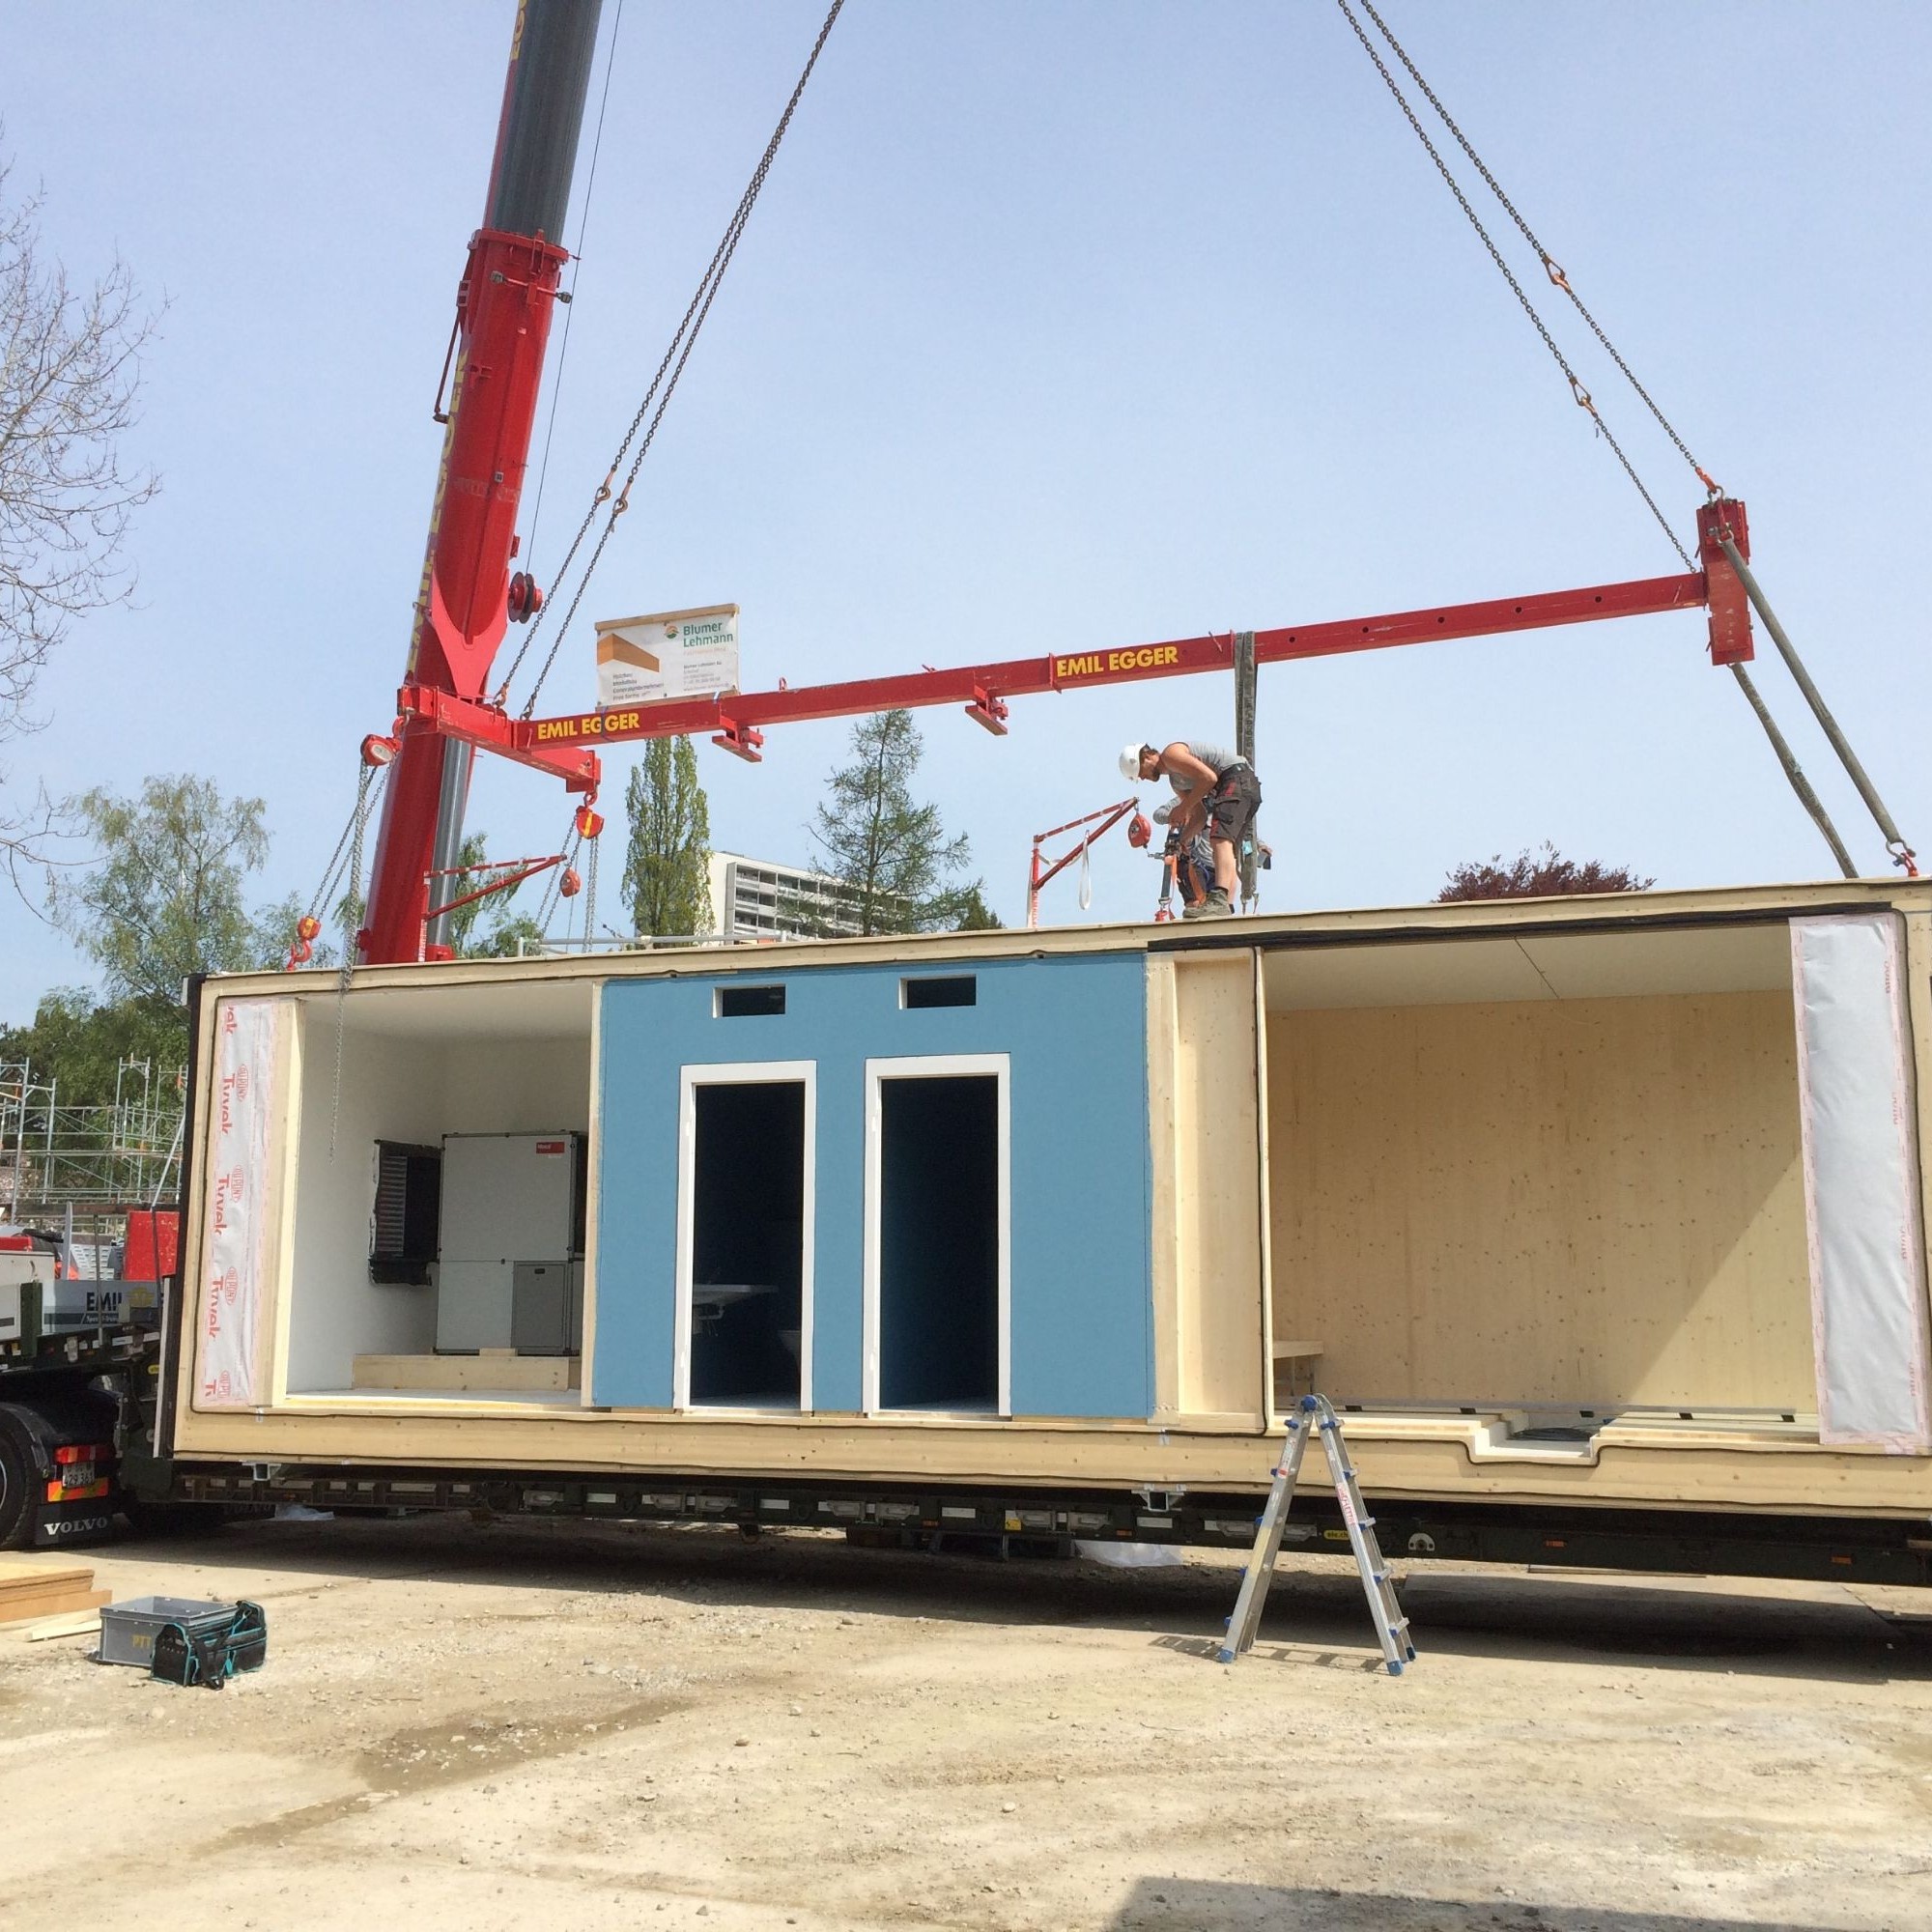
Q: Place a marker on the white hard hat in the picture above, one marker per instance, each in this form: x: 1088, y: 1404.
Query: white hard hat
x: 1130, y: 761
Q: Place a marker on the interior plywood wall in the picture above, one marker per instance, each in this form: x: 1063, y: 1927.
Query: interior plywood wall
x: 1588, y: 1201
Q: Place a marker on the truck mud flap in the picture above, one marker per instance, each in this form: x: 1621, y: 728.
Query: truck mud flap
x: 64, y: 1525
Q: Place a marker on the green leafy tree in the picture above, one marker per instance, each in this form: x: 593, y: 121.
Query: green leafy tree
x: 81, y: 1044
x: 469, y: 878
x: 510, y: 937
x: 1537, y: 875
x: 667, y: 862
x: 164, y: 899
x: 975, y: 914
x: 891, y: 853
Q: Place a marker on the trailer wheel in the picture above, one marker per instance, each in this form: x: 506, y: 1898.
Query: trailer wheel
x: 16, y: 1514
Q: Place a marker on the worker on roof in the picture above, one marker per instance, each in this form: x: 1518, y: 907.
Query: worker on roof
x: 1217, y: 791
x: 1192, y: 857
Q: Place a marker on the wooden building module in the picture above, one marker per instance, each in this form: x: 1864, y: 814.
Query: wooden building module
x: 1566, y: 1196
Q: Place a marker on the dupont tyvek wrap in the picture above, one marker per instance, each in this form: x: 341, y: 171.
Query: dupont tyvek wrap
x: 1869, y: 1306
x: 244, y: 1112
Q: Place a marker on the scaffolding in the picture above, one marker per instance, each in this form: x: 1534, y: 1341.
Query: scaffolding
x: 85, y: 1163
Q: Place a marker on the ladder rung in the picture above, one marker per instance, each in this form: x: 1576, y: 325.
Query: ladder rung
x: 1377, y: 1577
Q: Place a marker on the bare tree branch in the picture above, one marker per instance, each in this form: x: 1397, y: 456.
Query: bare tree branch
x: 70, y: 387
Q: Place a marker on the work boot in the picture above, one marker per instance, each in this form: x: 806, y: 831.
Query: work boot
x: 1214, y: 906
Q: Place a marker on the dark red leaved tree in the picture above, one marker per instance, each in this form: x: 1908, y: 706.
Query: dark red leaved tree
x: 1537, y: 875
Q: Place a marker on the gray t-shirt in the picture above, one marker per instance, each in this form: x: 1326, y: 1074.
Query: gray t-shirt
x: 1216, y: 757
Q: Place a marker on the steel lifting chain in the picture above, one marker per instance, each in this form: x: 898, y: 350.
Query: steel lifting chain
x: 1900, y: 852
x: 1550, y: 266
x: 569, y: 298
x: 676, y: 356
x: 334, y: 866
x: 333, y: 872
x: 353, y: 906
x: 1577, y: 389
x: 590, y: 894
x: 351, y: 914
x: 554, y: 893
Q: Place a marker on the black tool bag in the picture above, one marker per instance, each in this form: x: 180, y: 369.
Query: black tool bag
x: 208, y: 1649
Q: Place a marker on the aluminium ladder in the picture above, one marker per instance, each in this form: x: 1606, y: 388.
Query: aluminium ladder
x: 1316, y: 1412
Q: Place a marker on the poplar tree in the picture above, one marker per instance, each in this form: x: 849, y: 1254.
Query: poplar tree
x: 667, y: 862
x: 891, y: 852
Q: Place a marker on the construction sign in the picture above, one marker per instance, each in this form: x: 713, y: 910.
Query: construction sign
x: 671, y: 655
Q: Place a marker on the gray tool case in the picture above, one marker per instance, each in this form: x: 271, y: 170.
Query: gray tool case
x: 127, y: 1630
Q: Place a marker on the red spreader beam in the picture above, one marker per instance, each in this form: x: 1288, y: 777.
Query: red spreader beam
x: 737, y: 720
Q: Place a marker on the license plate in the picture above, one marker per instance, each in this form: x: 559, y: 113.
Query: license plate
x: 76, y: 1475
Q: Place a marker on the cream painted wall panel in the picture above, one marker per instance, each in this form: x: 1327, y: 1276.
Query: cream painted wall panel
x: 1165, y: 1213
x: 387, y: 1089
x: 1217, y: 1187
x: 399, y: 1089
x: 1592, y: 1200
x: 517, y: 1086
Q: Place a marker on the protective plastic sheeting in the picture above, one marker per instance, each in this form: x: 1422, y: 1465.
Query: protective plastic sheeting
x: 1867, y: 1253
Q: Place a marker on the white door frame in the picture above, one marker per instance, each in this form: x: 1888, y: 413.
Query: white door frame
x: 740, y: 1074
x: 937, y: 1066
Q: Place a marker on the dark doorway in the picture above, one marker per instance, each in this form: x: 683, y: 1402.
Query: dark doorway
x: 939, y: 1242
x: 746, y: 1245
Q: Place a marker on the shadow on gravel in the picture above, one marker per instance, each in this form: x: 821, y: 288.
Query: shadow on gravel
x: 1198, y: 1906
x: 1313, y: 1614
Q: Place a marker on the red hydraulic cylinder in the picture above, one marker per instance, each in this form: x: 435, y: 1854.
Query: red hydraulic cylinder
x: 503, y: 310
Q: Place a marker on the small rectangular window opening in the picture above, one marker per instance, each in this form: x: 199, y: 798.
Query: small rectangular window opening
x: 963, y: 990
x: 740, y: 1003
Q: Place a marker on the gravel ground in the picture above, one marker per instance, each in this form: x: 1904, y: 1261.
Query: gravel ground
x: 476, y: 1726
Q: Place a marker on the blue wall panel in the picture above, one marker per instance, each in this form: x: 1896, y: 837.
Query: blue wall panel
x: 1075, y: 1030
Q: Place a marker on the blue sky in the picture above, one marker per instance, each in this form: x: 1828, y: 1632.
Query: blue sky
x: 1057, y: 326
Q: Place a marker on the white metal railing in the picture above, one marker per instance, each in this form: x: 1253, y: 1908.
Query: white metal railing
x: 574, y: 944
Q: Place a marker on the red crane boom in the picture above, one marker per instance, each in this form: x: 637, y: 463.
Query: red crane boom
x: 504, y: 307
